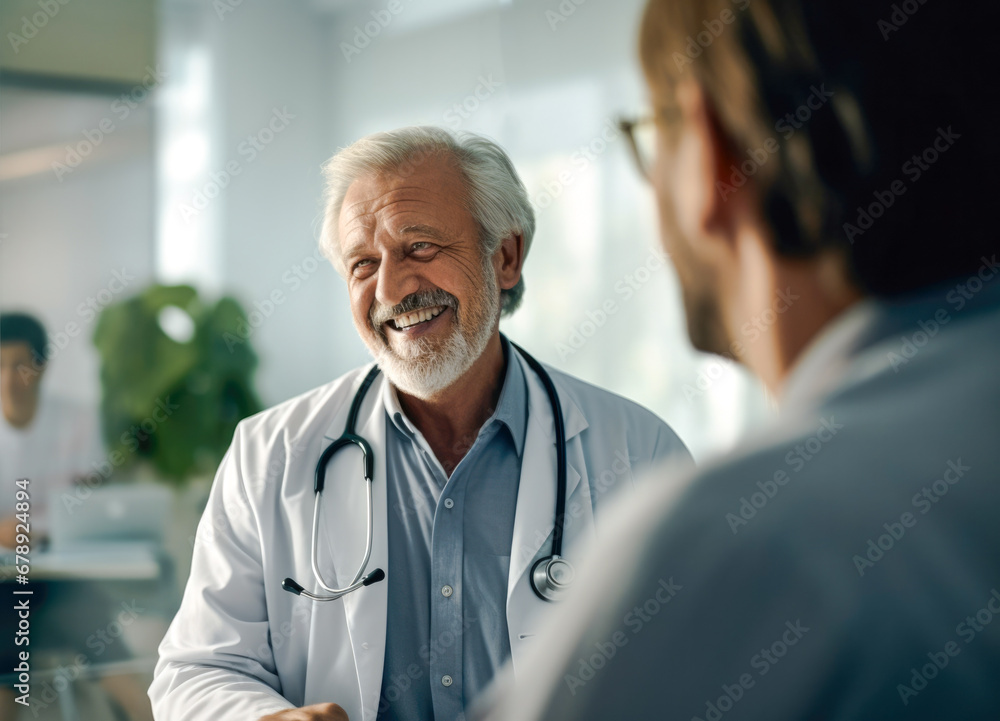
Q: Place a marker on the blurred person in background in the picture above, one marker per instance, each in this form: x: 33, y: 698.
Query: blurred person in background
x: 44, y: 438
x: 825, y: 173
x: 50, y: 441
x: 430, y: 230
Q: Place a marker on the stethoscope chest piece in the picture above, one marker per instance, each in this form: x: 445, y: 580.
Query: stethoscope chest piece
x: 551, y: 578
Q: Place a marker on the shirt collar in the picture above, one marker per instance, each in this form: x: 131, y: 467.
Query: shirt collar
x: 862, y: 327
x: 825, y: 359
x: 511, y: 410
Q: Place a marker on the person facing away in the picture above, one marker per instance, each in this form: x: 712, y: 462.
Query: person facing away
x: 824, y: 174
x: 430, y: 230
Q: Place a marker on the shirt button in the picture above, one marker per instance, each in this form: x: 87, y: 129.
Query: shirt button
x: 448, y: 503
x: 446, y: 680
x: 446, y: 591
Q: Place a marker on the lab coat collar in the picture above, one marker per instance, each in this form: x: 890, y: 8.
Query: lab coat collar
x: 573, y: 418
x: 534, y: 518
x: 344, y: 498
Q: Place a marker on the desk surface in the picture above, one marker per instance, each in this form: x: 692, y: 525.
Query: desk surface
x: 88, y: 562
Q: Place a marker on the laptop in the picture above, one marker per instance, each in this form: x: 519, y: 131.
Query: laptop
x: 113, y: 513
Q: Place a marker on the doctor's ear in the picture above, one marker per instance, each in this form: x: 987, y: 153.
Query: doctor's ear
x: 508, y: 260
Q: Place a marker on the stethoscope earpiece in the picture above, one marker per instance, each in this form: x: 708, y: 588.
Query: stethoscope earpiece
x: 551, y: 578
x: 374, y: 577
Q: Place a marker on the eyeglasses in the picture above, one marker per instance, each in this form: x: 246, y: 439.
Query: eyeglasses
x: 641, y: 134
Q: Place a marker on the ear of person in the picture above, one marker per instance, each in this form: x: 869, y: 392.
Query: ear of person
x: 511, y: 256
x: 709, y: 165
x: 694, y: 159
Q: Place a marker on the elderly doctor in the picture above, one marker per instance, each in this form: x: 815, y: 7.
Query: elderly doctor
x: 430, y: 231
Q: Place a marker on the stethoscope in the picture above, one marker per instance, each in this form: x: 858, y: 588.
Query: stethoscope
x: 550, y: 576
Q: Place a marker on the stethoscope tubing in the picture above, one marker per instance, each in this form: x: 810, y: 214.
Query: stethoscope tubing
x: 560, y: 428
x: 350, y: 437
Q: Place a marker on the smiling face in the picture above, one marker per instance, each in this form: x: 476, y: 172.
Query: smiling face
x: 424, y: 299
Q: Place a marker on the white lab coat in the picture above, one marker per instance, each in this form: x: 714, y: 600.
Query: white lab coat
x: 241, y: 647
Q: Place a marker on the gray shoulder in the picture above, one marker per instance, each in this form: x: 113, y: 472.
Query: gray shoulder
x: 782, y: 468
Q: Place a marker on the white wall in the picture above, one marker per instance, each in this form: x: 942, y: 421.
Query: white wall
x: 544, y: 84
x: 268, y: 70
x: 67, y: 234
x: 553, y: 81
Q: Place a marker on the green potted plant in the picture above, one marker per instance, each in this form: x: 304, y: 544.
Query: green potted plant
x: 173, y: 389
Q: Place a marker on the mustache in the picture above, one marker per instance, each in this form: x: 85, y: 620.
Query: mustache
x: 379, y: 314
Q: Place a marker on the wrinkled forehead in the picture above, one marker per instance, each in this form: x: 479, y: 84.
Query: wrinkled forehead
x: 432, y: 192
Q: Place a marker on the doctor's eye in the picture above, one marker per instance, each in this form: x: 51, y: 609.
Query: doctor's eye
x: 362, y: 268
x: 422, y: 248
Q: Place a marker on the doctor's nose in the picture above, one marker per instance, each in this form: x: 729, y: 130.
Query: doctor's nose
x: 394, y: 283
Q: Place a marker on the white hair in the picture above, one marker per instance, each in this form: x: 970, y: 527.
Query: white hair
x: 496, y: 196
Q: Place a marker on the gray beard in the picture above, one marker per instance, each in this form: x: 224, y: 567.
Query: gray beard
x: 429, y: 367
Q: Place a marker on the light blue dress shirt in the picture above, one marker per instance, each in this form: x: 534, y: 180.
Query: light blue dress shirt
x: 449, y: 556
